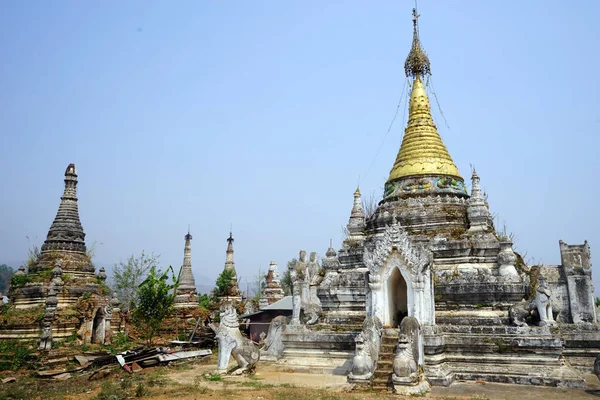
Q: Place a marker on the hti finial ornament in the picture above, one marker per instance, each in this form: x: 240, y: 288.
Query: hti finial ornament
x: 417, y: 62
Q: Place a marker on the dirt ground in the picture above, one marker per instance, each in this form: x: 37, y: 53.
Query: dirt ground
x: 197, y: 381
x: 273, y: 384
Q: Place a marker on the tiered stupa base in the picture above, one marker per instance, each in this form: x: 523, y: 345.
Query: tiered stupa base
x: 497, y: 353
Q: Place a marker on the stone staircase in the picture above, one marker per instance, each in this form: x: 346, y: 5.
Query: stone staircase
x: 383, y: 373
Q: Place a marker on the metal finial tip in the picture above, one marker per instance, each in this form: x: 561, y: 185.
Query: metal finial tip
x: 417, y: 62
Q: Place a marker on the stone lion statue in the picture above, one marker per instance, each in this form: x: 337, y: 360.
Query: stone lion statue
x: 519, y: 312
x: 232, y: 343
x: 273, y: 347
x: 362, y: 363
x: 367, y: 342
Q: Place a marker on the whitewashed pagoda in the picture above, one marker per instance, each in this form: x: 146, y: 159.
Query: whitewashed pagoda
x: 427, y: 274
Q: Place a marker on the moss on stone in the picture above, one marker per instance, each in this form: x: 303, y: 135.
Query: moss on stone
x: 12, y: 317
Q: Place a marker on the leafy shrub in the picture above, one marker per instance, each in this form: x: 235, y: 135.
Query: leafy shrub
x: 15, y: 354
x: 19, y: 280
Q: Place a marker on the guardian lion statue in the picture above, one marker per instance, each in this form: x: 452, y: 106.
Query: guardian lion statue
x: 232, y: 343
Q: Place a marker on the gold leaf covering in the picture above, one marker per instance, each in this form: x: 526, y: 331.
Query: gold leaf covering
x: 422, y: 151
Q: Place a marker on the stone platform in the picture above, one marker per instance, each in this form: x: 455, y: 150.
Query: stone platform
x: 317, y: 351
x: 501, y: 354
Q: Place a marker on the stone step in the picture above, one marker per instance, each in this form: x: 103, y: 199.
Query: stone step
x: 385, y: 365
x: 471, y: 320
x: 495, y: 360
x: 378, y: 375
x: 489, y: 329
x: 335, y: 327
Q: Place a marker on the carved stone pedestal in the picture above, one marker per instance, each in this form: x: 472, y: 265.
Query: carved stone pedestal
x: 406, y: 386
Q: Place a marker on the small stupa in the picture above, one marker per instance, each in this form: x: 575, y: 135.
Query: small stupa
x: 186, y: 295
x: 273, y: 291
x: 234, y: 295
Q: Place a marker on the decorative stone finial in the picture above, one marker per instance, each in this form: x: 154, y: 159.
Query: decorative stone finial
x: 115, y: 302
x: 21, y: 271
x: 57, y: 274
x: 102, y: 274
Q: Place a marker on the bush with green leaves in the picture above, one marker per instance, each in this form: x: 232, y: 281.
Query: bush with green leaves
x: 19, y: 280
x: 224, y: 283
x: 155, y: 298
x: 15, y: 354
x: 205, y: 301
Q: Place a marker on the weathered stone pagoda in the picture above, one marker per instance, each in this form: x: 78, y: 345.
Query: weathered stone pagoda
x: 430, y: 261
x: 234, y: 296
x: 62, y: 283
x: 186, y: 295
x: 273, y: 291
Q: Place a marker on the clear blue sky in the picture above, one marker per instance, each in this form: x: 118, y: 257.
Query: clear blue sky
x: 265, y: 113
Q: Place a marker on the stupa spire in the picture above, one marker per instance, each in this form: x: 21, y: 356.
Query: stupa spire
x: 229, y: 263
x: 417, y: 62
x: 186, y: 294
x: 356, y: 222
x: 186, y: 278
x: 478, y: 212
x: 66, y: 232
x: 422, y: 151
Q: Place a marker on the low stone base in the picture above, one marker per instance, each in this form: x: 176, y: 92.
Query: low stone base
x: 317, y: 351
x: 418, y: 389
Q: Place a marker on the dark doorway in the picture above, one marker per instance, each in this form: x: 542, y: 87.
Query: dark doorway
x: 397, y: 298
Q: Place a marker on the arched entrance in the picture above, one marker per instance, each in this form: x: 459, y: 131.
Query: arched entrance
x: 397, y: 298
x: 98, y: 327
x: 400, y: 278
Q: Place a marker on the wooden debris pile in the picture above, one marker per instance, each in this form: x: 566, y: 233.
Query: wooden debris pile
x: 99, y: 363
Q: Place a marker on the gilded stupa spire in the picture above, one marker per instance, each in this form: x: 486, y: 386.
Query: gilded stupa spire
x: 422, y: 152
x: 417, y: 62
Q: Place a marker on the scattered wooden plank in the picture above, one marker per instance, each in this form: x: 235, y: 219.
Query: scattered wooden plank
x: 9, y: 379
x: 82, y: 360
x: 51, y: 372
x: 62, y: 377
x: 180, y: 355
x: 135, y: 367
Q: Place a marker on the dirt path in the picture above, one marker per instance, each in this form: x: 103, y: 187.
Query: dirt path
x: 268, y: 383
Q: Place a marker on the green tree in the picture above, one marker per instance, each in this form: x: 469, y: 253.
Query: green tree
x: 128, y: 276
x: 155, y: 299
x: 205, y: 301
x: 286, y: 278
x: 6, y: 273
x: 224, y: 283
